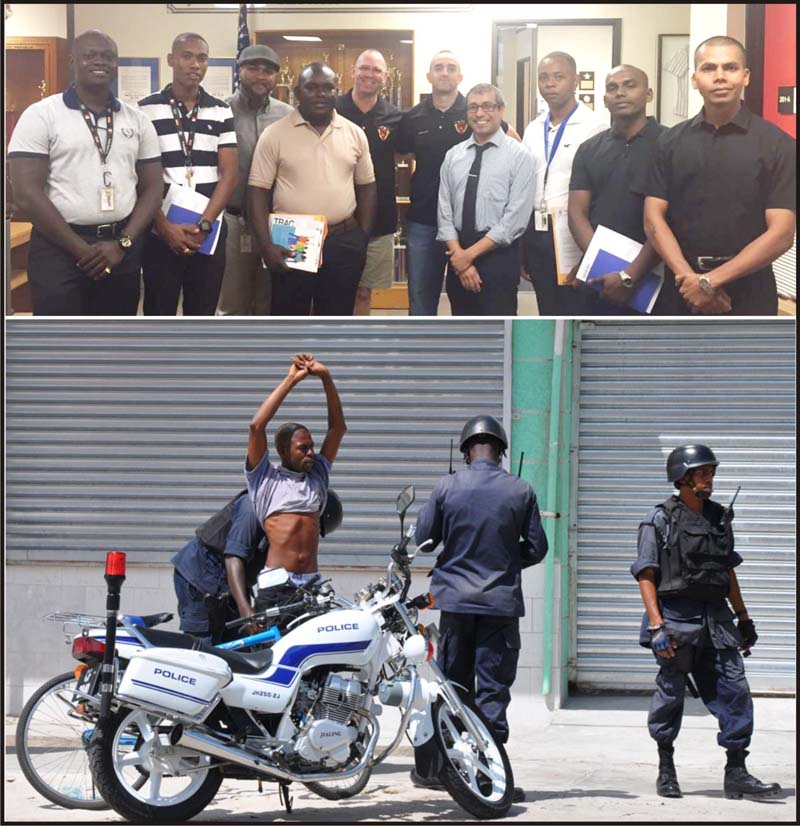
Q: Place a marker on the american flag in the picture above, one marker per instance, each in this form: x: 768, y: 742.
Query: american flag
x: 242, y: 40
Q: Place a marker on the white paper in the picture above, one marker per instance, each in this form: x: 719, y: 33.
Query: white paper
x: 568, y: 253
x: 133, y: 83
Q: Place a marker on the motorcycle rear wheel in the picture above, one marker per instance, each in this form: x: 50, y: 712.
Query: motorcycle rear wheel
x: 179, y: 783
x: 51, y: 743
x: 479, y: 779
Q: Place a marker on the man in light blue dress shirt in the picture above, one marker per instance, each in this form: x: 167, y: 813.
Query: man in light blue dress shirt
x: 485, y: 203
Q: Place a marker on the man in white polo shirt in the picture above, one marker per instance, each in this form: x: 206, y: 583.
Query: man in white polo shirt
x: 86, y: 168
x: 314, y: 162
x: 553, y: 138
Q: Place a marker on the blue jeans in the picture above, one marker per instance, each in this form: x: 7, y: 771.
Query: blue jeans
x: 426, y: 261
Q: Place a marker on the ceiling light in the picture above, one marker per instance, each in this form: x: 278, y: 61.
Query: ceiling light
x: 303, y: 38
x: 407, y: 41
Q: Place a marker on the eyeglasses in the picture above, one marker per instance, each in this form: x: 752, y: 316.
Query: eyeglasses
x: 487, y: 107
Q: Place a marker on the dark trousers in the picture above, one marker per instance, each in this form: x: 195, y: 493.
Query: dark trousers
x: 331, y: 290
x: 166, y: 274
x: 499, y: 271
x: 720, y: 680
x: 540, y: 259
x: 58, y: 287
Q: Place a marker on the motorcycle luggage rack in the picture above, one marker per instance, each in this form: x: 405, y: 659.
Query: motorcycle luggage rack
x: 89, y: 620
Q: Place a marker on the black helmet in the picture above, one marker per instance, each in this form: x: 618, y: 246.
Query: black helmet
x: 683, y: 459
x: 482, y: 426
x: 331, y: 517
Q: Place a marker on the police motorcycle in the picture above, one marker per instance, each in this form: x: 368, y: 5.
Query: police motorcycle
x: 57, y: 722
x: 186, y: 716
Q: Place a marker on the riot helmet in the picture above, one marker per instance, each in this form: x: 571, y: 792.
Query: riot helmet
x: 483, y: 426
x: 331, y: 516
x: 684, y: 459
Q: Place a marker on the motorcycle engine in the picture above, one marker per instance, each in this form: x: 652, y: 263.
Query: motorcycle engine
x: 327, y: 737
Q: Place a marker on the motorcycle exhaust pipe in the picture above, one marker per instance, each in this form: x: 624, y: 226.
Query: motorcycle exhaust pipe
x: 215, y: 746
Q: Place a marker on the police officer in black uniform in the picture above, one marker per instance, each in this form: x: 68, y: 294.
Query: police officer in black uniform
x: 489, y: 525
x: 686, y: 578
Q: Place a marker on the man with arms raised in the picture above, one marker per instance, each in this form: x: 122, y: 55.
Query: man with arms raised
x: 290, y: 498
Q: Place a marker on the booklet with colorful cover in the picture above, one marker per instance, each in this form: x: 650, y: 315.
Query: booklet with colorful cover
x: 182, y: 205
x: 303, y: 235
x: 610, y: 251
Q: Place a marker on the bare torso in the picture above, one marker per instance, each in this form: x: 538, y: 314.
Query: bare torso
x: 293, y: 541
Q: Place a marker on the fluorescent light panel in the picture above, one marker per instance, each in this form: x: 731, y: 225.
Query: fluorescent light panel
x: 303, y: 38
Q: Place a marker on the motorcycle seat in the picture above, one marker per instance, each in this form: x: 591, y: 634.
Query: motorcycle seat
x: 239, y: 663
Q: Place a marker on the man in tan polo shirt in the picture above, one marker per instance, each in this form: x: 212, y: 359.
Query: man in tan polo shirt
x: 314, y: 162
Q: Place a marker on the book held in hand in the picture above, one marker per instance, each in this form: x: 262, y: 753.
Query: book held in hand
x: 302, y: 235
x: 182, y: 205
x: 610, y: 251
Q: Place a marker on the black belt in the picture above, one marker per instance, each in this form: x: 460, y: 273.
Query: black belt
x: 706, y: 263
x: 235, y: 211
x: 348, y: 223
x: 99, y: 230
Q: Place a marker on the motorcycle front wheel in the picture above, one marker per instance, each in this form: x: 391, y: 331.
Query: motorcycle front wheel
x: 142, y: 776
x: 341, y: 789
x: 478, y: 778
x: 51, y: 742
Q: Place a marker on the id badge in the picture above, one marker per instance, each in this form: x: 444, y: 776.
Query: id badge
x: 541, y: 220
x: 245, y: 242
x: 106, y: 199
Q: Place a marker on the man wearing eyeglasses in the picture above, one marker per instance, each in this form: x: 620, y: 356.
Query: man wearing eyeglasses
x: 485, y: 201
x: 364, y: 106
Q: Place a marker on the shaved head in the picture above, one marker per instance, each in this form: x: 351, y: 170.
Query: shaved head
x: 720, y: 40
x: 92, y: 34
x: 374, y: 54
x: 634, y: 70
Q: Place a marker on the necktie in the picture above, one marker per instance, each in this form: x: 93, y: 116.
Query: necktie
x: 468, y: 230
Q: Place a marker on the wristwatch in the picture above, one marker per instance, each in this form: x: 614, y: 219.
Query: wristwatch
x: 705, y: 285
x: 204, y: 226
x: 626, y: 279
x: 125, y: 241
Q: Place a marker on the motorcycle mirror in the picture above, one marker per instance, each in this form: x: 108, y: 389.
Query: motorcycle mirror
x: 269, y: 577
x: 405, y: 500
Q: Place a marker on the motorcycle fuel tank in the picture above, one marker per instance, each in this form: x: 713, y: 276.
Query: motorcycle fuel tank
x: 341, y: 638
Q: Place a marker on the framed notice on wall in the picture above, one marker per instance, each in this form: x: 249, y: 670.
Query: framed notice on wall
x: 673, y: 79
x: 137, y: 77
x: 219, y: 77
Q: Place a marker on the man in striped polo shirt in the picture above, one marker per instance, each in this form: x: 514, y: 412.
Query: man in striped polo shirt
x: 198, y: 151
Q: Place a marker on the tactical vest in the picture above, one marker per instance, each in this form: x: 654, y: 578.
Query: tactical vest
x: 213, y: 533
x: 695, y: 555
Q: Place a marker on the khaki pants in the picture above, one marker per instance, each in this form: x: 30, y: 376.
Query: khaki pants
x: 246, y: 288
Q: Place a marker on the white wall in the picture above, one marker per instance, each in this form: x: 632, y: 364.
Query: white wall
x: 146, y: 30
x: 37, y: 20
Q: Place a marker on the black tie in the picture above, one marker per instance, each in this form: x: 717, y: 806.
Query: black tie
x: 468, y: 231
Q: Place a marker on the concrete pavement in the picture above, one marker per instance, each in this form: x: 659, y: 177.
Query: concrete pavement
x: 591, y: 761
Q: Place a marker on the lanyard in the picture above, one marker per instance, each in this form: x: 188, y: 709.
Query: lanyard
x: 186, y: 142
x: 90, y: 122
x: 548, y: 155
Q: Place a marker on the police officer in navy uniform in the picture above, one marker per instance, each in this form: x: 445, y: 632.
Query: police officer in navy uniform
x: 215, y: 571
x: 489, y: 525
x: 685, y: 570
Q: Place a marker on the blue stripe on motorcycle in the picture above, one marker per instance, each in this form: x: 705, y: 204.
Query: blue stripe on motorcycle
x: 128, y: 640
x: 298, y: 654
x: 282, y: 676
x: 171, y: 692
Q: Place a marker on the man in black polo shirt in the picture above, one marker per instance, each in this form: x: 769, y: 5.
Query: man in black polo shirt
x: 721, y: 201
x: 607, y: 186
x: 379, y: 119
x: 198, y: 150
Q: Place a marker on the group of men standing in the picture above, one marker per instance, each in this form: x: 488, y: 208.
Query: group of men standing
x: 713, y: 198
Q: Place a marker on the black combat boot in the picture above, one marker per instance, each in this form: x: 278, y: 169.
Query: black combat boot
x: 739, y: 782
x: 667, y: 783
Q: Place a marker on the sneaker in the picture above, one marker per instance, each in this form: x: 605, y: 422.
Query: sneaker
x: 519, y: 795
x: 425, y: 782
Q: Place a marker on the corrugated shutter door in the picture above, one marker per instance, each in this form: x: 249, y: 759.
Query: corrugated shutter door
x: 126, y: 435
x: 646, y: 388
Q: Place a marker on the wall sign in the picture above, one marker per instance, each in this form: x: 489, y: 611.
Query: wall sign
x: 787, y: 103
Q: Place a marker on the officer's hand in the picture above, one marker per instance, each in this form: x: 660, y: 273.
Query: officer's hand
x: 571, y: 278
x: 275, y: 257
x: 747, y: 629
x: 524, y: 274
x: 612, y: 289
x: 102, y: 256
x: 316, y: 368
x: 298, y: 369
x: 470, y: 280
x: 460, y: 259
x: 662, y: 644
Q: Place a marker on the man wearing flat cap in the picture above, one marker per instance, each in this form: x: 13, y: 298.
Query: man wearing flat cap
x: 246, y: 284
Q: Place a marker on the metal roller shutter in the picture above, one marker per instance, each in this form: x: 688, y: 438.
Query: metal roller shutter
x: 646, y: 388
x: 125, y: 435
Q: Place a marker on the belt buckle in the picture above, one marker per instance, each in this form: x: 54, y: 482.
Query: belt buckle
x: 100, y: 227
x: 706, y: 263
